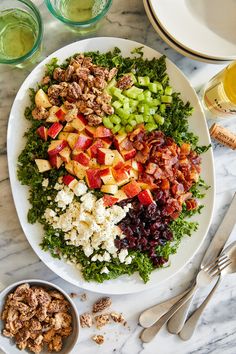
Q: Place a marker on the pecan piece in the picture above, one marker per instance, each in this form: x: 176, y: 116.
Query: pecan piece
x: 82, y: 73
x: 102, y: 320
x: 124, y: 82
x: 94, y: 120
x: 102, y: 304
x: 55, y: 344
x: 108, y: 109
x: 74, y: 90
x: 45, y: 80
x: 117, y: 317
x: 69, y: 72
x: 112, y: 73
x: 86, y: 320
x: 40, y: 113
x: 99, y: 339
x: 59, y: 74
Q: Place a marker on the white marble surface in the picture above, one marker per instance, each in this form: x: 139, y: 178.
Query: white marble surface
x: 216, y: 332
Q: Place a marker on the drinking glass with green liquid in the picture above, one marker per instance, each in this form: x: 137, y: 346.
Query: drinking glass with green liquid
x: 81, y: 15
x: 20, y: 32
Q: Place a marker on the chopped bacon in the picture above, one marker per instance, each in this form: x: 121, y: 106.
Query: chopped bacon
x: 191, y: 204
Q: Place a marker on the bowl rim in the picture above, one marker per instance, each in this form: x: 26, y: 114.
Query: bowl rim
x: 86, y: 23
x: 6, y: 290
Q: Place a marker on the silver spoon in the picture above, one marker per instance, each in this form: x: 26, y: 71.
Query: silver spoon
x: 190, y: 325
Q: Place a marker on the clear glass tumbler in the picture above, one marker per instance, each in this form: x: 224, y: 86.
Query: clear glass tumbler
x: 21, y: 32
x: 81, y: 15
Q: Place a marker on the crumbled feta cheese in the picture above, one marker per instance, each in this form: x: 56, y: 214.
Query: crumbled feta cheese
x: 58, y: 186
x: 104, y: 270
x: 128, y: 260
x: 80, y: 189
x: 122, y: 255
x: 64, y: 197
x: 88, y: 200
x: 45, y: 182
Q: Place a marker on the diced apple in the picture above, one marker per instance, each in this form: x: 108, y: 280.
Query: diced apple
x: 118, y: 158
x: 93, y: 163
x: 68, y: 128
x: 56, y: 146
x: 108, y: 200
x: 79, y: 170
x: 107, y: 176
x: 70, y: 167
x: 55, y: 161
x: 72, y: 139
x: 82, y: 158
x: 93, y: 178
x: 120, y: 195
x: 137, y: 166
x: 109, y: 188
x: 55, y: 129
x: 83, y: 142
x: 90, y: 131
x: 79, y: 123
x: 105, y: 156
x: 119, y: 165
x: 128, y: 154
x: 106, y: 142
x: 102, y: 132
x: 131, y: 189
x: 65, y: 154
x: 118, y: 139
x: 63, y: 135
x: 60, y: 114
x: 145, y: 197
x: 41, y: 99
x: 42, y: 132
x: 121, y: 176
x: 43, y: 165
x: 93, y: 149
x: 67, y: 179
x: 52, y: 118
x: 133, y: 174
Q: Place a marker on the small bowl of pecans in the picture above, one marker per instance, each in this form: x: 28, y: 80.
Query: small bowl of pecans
x: 37, y: 317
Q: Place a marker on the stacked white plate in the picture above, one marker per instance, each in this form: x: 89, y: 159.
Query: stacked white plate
x: 202, y: 30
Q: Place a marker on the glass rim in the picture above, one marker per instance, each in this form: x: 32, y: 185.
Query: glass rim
x: 36, y: 12
x: 78, y: 23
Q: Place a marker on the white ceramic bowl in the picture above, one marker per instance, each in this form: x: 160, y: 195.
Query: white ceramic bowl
x: 8, y: 345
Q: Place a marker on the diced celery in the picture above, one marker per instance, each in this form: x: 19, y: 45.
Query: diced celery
x: 140, y: 97
x: 133, y: 92
x: 107, y: 123
x: 147, y: 94
x: 132, y: 77
x: 165, y: 80
x: 139, y: 118
x: 128, y: 128
x: 150, y: 127
x: 132, y: 122
x: 115, y: 119
x: 116, y: 104
x: 168, y: 90
x: 116, y: 129
x: 143, y: 80
x: 122, y: 130
x: 162, y: 108
x: 141, y: 108
x: 122, y: 114
x: 155, y: 102
x: 166, y: 99
x: 153, y: 87
x: 146, y: 119
x: 146, y: 109
x: 115, y: 91
x: 133, y: 103
x: 152, y: 110
x: 159, y: 86
x: 159, y: 119
x: 111, y: 84
x: 126, y: 106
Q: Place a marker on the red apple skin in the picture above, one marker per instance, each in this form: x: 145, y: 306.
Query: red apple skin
x: 119, y: 165
x: 105, y: 156
x: 118, y: 139
x: 127, y: 155
x: 54, y: 130
x: 105, y: 171
x: 67, y: 179
x: 120, y: 175
x: 42, y: 132
x: 108, y: 200
x: 102, y: 132
x: 90, y: 131
x: 65, y: 154
x: 106, y: 142
x: 56, y: 161
x: 83, y: 142
x: 145, y: 197
x: 60, y: 114
x: 82, y: 158
x: 131, y: 189
x: 56, y: 146
x: 93, y: 150
x: 93, y: 178
x: 82, y: 118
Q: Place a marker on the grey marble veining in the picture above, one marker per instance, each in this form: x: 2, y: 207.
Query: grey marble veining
x: 216, y: 332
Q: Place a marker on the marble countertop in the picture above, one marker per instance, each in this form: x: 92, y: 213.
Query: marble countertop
x: 216, y: 332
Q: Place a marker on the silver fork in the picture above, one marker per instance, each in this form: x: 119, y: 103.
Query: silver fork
x: 204, y: 277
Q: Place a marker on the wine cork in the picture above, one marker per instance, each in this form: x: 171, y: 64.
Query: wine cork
x: 223, y: 135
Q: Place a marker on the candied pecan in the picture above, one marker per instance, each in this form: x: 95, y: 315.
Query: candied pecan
x: 82, y: 73
x: 68, y: 106
x: 75, y: 63
x: 94, y: 120
x: 7, y: 333
x: 88, y: 96
x: 124, y: 82
x: 112, y: 73
x: 102, y: 320
x: 117, y: 317
x: 79, y: 58
x: 40, y: 113
x: 42, y: 296
x: 108, y: 109
x: 48, y: 336
x: 103, y: 98
x: 55, y: 344
x: 27, y: 316
x: 54, y: 101
x: 99, y: 339
x: 100, y: 71
x: 68, y: 73
x: 64, y: 89
x: 22, y: 335
x: 58, y: 306
x: 74, y: 90
x: 33, y: 347
x: 31, y: 298
x: 87, y: 62
x: 59, y: 74
x: 54, y: 91
x: 96, y: 91
x: 81, y: 84
x: 100, y: 83
x: 102, y: 304
x: 38, y: 340
x: 45, y: 80
x: 35, y: 325
x: 22, y: 345
x: 65, y: 332
x: 90, y: 81
x: 86, y: 320
x: 62, y: 320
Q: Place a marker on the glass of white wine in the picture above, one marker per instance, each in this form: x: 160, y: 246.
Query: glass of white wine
x: 81, y: 15
x: 21, y: 32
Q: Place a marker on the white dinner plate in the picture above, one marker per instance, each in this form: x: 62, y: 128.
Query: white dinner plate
x: 172, y: 43
x: 205, y: 27
x: 34, y: 233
